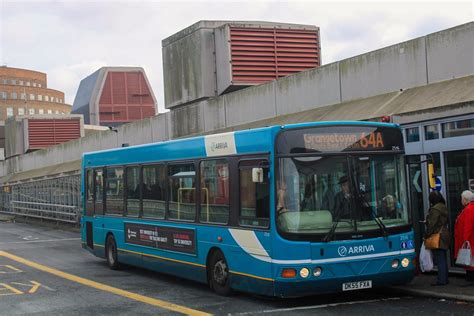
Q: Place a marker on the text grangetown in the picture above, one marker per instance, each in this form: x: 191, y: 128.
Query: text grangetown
x: 344, y: 141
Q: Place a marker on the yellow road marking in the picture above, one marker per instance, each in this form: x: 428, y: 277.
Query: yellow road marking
x: 11, y: 288
x: 35, y: 287
x: 104, y: 287
x: 11, y: 268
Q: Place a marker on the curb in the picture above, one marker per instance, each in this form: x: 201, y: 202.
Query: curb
x: 424, y: 293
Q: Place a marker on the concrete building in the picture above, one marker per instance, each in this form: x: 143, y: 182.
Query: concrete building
x: 112, y: 96
x: 25, y: 92
x: 425, y: 84
x: 210, y: 58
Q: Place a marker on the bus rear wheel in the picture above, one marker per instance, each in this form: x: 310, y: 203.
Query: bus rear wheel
x: 219, y: 274
x: 111, y: 253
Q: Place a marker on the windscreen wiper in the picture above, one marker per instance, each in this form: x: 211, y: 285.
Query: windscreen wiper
x: 382, y: 226
x: 331, y: 232
x: 361, y: 196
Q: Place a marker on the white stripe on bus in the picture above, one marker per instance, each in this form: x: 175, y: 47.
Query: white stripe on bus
x: 248, y: 241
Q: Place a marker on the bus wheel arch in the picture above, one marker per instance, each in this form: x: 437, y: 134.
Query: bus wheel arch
x: 218, y: 273
x: 111, y: 253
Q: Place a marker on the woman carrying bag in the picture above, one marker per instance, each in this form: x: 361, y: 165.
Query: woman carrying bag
x: 437, y: 235
x: 464, y: 230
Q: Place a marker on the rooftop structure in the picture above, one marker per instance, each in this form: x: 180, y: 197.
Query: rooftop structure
x: 211, y: 58
x: 112, y: 96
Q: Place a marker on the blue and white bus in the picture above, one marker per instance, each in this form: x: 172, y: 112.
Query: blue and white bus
x: 282, y: 211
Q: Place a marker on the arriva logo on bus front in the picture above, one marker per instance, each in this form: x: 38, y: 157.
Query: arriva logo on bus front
x: 354, y: 250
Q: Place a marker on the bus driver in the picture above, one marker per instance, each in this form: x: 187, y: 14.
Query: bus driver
x: 342, y: 200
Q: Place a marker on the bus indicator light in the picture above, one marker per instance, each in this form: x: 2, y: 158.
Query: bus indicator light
x: 219, y: 239
x: 288, y: 273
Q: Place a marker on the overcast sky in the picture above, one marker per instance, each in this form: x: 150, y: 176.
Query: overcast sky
x: 69, y: 40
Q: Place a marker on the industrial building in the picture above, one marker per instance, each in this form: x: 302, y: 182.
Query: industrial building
x: 425, y: 84
x: 112, y: 96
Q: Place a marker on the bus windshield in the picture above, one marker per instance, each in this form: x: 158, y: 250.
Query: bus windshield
x: 356, y: 192
x: 340, y: 196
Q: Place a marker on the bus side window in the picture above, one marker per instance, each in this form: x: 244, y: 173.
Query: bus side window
x: 214, y: 191
x: 254, y: 197
x: 114, y: 191
x: 153, y: 191
x: 132, y: 191
x: 89, y: 183
x: 98, y: 191
x: 182, y: 192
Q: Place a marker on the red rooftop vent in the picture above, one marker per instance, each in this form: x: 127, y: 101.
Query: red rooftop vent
x: 263, y: 54
x: 43, y: 133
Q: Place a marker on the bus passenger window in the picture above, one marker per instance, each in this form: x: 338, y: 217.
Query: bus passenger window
x: 89, y: 192
x: 133, y: 191
x: 182, y: 192
x: 114, y: 191
x: 254, y: 197
x: 214, y: 191
x: 153, y: 191
x: 99, y: 192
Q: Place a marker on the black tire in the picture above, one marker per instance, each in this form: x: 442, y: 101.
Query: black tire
x: 218, y: 272
x: 111, y: 253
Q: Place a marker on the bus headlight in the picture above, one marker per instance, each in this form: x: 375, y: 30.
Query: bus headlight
x: 395, y: 263
x: 304, y: 273
x: 405, y: 262
x: 317, y: 271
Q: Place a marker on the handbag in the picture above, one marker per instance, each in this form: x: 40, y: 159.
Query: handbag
x: 432, y: 242
x: 465, y: 255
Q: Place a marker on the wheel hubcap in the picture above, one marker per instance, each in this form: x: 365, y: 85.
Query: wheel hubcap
x: 220, y: 272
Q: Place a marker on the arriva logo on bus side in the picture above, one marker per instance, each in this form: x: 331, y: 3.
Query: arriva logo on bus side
x: 220, y: 144
x: 355, y: 250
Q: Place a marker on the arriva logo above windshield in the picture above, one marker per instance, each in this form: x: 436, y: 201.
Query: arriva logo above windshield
x: 355, y: 250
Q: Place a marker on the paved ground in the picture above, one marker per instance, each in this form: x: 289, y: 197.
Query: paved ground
x: 44, y: 271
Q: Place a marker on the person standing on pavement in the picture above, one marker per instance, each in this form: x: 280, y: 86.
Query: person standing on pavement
x: 437, y: 222
x: 464, y: 230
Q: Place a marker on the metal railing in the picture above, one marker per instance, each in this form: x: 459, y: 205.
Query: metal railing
x: 54, y: 199
x: 54, y: 212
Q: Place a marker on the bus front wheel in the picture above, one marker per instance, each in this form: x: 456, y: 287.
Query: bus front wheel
x: 111, y: 253
x: 219, y: 274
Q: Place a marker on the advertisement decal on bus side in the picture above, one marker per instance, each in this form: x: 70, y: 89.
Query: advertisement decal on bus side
x: 169, y: 238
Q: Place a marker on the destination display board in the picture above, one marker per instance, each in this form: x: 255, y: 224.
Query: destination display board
x: 339, y: 139
x: 161, y: 237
